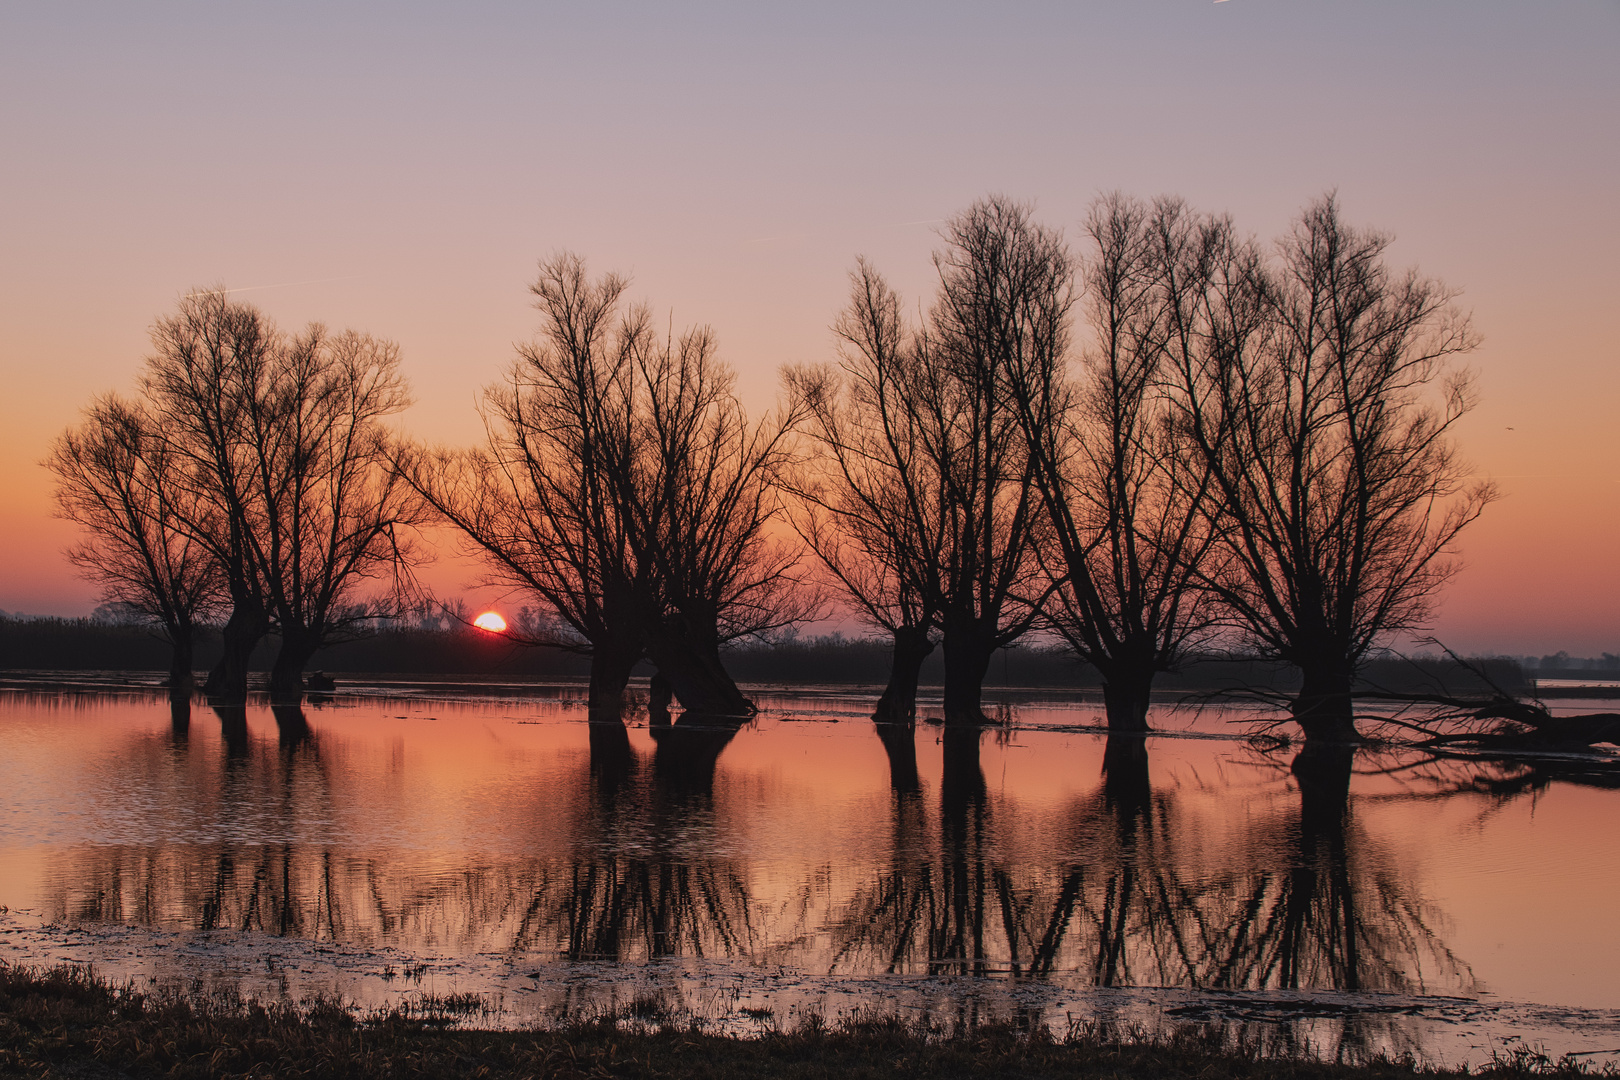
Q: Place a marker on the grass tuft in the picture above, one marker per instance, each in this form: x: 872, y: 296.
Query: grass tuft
x: 68, y: 1021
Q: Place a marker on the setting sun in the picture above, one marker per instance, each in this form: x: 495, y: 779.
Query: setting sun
x: 491, y: 621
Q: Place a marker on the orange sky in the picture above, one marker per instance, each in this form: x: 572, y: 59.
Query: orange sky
x: 404, y: 168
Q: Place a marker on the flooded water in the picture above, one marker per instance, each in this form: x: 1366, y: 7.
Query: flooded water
x: 400, y: 840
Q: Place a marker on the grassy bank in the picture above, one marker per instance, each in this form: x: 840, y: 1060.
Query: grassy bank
x: 66, y: 1022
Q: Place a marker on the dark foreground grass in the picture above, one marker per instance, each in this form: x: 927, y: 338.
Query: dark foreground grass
x: 66, y: 1022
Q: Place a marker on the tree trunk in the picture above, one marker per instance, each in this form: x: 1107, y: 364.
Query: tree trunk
x: 691, y: 662
x: 611, y: 665
x: 968, y: 648
x: 898, y: 705
x: 1126, y: 695
x: 287, y: 674
x: 181, y: 679
x: 1324, y: 709
x: 243, y: 631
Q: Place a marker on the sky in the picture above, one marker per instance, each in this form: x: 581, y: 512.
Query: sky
x: 400, y: 168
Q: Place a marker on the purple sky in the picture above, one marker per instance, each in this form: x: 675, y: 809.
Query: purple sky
x: 411, y: 162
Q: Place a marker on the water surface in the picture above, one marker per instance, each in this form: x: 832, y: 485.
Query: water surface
x: 500, y: 844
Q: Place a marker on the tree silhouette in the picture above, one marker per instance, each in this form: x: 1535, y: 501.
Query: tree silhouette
x: 280, y: 443
x: 1001, y: 312
x: 210, y: 358
x: 866, y: 503
x: 622, y: 486
x: 929, y: 471
x: 700, y: 491
x: 543, y: 500
x: 117, y: 480
x: 1320, y: 396
x: 1128, y: 513
x: 329, y: 510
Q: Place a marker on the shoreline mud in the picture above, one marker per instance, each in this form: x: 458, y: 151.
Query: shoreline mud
x: 526, y: 991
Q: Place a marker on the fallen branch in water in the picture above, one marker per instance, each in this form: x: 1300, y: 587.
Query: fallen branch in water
x: 1497, y: 720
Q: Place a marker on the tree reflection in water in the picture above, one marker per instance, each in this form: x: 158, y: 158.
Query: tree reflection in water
x: 653, y: 898
x: 1305, y: 900
x: 639, y: 880
x: 292, y: 724
x: 270, y: 885
x: 233, y: 729
x: 900, y: 747
x: 179, y: 717
x: 932, y: 902
x: 612, y: 759
x: 1501, y: 778
x: 634, y: 858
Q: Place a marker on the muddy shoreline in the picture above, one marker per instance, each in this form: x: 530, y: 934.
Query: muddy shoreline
x: 517, y: 991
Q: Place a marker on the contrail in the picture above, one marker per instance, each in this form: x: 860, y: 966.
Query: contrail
x: 278, y: 285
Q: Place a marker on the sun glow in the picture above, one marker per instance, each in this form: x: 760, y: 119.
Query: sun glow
x: 491, y: 621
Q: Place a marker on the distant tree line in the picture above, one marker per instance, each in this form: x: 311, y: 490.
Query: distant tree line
x: 1175, y: 441
x: 406, y: 647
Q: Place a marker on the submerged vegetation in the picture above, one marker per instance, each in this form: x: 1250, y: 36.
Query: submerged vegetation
x: 66, y: 1021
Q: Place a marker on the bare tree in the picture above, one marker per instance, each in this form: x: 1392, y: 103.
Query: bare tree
x: 1001, y: 312
x: 1321, y: 399
x: 117, y: 480
x: 867, y: 503
x: 1129, y: 528
x: 329, y: 512
x: 700, y: 489
x: 930, y: 470
x: 211, y: 358
x: 281, y: 444
x: 542, y: 501
x: 622, y: 486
